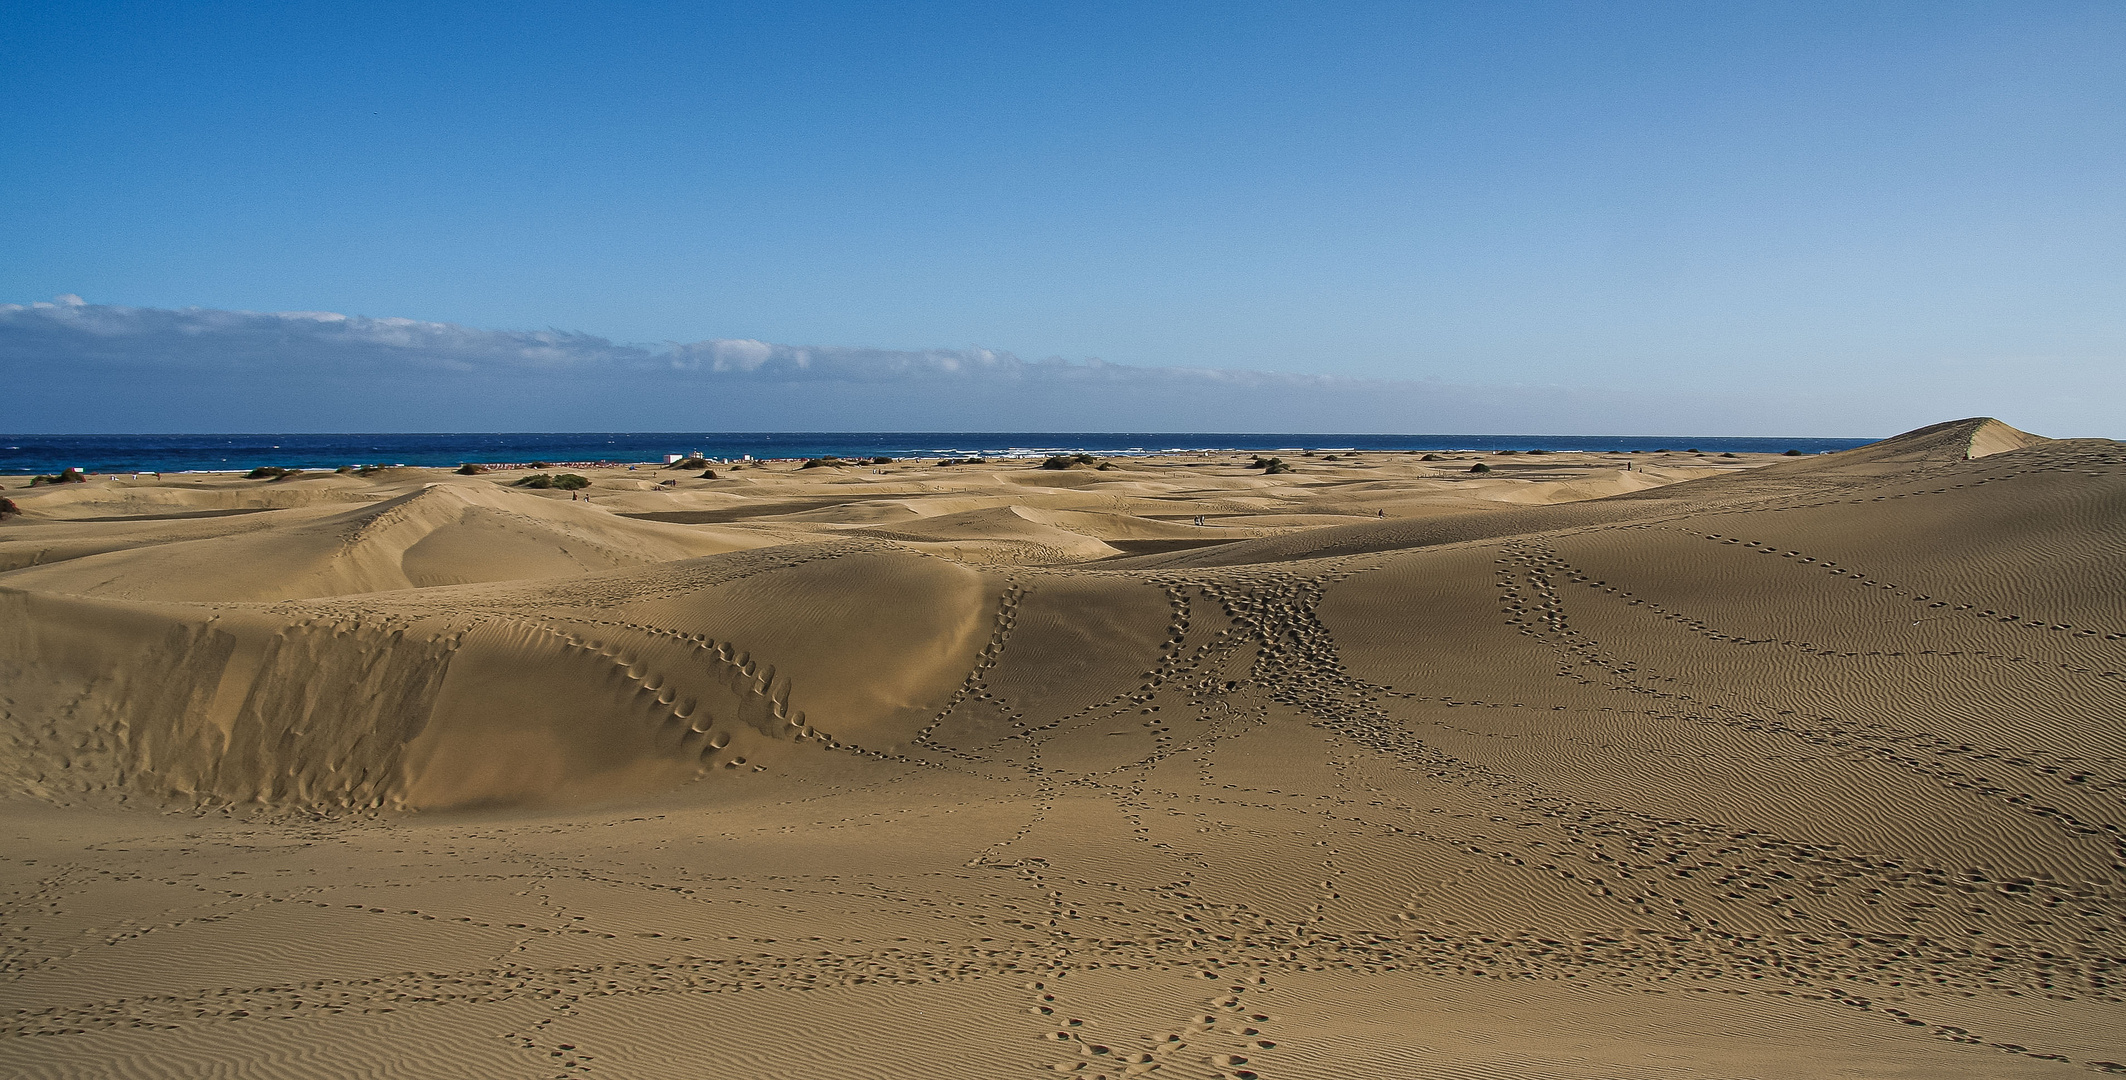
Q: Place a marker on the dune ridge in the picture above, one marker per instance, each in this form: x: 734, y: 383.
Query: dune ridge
x: 1588, y: 765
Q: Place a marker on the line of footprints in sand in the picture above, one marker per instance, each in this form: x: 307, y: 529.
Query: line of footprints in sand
x: 1231, y: 1021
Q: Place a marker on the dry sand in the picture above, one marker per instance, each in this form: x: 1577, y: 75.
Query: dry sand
x: 1735, y: 767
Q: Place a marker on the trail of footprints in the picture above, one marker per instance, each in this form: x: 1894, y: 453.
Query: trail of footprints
x: 1945, y: 760
x: 1228, y: 1040
x: 1274, y: 651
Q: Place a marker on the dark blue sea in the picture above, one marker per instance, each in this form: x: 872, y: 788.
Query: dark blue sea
x: 181, y: 453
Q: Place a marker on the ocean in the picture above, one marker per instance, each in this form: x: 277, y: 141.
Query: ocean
x: 185, y: 453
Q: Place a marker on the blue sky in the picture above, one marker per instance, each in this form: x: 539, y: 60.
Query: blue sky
x: 1831, y: 218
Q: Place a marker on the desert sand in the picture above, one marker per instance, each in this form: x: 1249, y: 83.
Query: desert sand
x: 1708, y: 767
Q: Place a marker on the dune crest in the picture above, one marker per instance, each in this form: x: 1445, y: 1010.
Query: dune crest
x: 1388, y: 767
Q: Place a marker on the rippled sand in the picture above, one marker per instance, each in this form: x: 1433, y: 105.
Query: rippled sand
x: 1708, y: 766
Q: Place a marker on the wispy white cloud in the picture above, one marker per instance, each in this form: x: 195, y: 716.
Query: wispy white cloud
x: 77, y: 366
x: 70, y: 331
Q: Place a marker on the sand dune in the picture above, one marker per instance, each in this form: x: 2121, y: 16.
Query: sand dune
x: 1706, y: 767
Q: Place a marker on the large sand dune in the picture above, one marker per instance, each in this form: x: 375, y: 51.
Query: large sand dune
x: 1590, y: 765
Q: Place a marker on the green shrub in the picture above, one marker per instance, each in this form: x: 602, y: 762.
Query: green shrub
x: 270, y: 472
x: 709, y: 474
x: 1479, y: 467
x: 691, y: 461
x: 827, y: 461
x: 1430, y: 457
x: 561, y: 481
x: 1728, y: 455
x: 344, y: 469
x: 882, y: 461
x: 1065, y: 461
x: 1793, y: 453
x: 470, y: 469
x: 63, y: 476
x: 7, y: 506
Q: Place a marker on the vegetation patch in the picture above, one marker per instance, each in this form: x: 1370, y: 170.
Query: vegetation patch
x: 1065, y: 461
x: 271, y: 472
x: 1479, y: 467
x: 567, y: 481
x: 63, y: 476
x: 470, y: 469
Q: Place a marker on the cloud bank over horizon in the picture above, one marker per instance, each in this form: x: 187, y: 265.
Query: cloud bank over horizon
x: 74, y: 366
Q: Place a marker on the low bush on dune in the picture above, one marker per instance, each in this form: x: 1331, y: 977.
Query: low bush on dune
x: 882, y: 461
x: 1793, y: 453
x: 1065, y: 461
x: 1480, y: 467
x: 828, y: 461
x: 709, y: 474
x: 63, y: 476
x: 1432, y: 457
x: 344, y: 469
x: 271, y: 472
x: 542, y: 464
x: 1270, y: 466
x: 470, y: 469
x: 7, y: 507
x: 1104, y: 466
x: 567, y: 481
x: 692, y: 461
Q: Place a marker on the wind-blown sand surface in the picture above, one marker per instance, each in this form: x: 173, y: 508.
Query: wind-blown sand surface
x: 1733, y: 767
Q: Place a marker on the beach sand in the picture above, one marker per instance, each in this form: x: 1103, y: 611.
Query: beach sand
x: 1706, y: 767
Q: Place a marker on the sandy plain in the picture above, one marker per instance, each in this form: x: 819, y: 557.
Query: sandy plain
x: 1712, y: 767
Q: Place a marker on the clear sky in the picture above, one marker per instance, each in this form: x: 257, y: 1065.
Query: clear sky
x: 1876, y: 214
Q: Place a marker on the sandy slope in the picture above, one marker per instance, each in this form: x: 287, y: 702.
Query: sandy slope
x: 1741, y: 767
